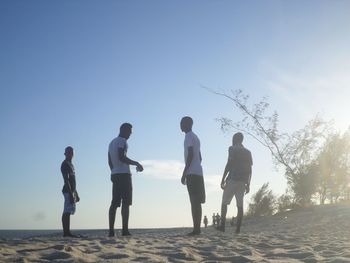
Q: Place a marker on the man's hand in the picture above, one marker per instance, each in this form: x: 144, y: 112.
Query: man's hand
x: 139, y: 167
x: 71, y: 198
x: 76, y: 197
x: 247, y: 188
x: 183, y: 179
x: 223, y: 184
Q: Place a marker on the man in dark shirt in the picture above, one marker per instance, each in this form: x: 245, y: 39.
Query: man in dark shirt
x: 69, y: 191
x: 236, y: 179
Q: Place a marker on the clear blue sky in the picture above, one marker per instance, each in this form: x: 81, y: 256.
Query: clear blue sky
x: 72, y: 71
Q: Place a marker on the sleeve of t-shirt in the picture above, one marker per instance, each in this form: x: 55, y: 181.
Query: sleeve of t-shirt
x: 250, y: 158
x: 230, y: 155
x: 188, y: 141
x: 64, y: 170
x: 121, y: 143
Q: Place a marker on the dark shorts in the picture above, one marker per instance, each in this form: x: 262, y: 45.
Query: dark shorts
x: 195, y: 187
x: 122, y: 189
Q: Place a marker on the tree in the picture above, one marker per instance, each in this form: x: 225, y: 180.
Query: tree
x: 334, y: 168
x: 263, y: 202
x: 284, y: 202
x: 294, y: 152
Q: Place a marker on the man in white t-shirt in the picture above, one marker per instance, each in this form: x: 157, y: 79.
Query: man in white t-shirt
x: 193, y: 173
x: 119, y: 164
x: 236, y: 179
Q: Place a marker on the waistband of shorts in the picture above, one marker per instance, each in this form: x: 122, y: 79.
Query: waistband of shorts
x: 120, y: 174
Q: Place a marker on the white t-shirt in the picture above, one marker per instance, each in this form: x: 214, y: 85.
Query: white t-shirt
x: 191, y: 140
x: 118, y: 166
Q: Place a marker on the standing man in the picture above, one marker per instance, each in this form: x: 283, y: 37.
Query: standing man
x: 69, y: 191
x: 237, y: 183
x: 119, y: 164
x: 193, y: 173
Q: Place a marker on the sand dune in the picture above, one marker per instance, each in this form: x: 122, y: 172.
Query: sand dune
x: 319, y: 234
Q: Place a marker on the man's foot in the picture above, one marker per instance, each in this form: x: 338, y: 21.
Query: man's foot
x: 69, y: 235
x: 111, y: 233
x: 126, y: 233
x: 238, y: 231
x: 194, y: 233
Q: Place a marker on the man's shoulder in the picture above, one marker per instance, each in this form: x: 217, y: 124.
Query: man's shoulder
x: 192, y: 135
x: 246, y: 150
x: 238, y: 149
x: 64, y: 163
x: 67, y: 166
x: 117, y: 140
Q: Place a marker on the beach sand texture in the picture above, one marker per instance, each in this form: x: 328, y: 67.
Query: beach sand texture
x: 319, y: 234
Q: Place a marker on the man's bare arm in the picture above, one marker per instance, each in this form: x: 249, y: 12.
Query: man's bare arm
x: 188, y: 163
x: 226, y: 171
x: 110, y: 162
x: 123, y: 158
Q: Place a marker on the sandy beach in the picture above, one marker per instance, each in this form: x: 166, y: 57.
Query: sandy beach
x: 319, y: 234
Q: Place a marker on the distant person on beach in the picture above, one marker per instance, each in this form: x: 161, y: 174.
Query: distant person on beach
x: 69, y: 191
x: 214, y: 219
x: 217, y: 219
x: 232, y: 223
x: 205, y: 221
x: 236, y: 179
x: 192, y: 175
x: 119, y: 164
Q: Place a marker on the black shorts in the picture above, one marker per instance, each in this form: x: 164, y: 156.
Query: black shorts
x: 122, y: 189
x: 195, y: 187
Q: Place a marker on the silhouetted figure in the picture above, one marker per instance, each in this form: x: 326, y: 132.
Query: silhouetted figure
x: 69, y: 191
x: 193, y: 173
x: 214, y: 219
x: 217, y: 218
x: 205, y: 221
x: 232, y: 221
x: 119, y: 164
x: 237, y: 183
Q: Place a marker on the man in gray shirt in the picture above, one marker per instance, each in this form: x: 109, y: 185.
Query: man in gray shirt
x: 236, y: 179
x: 119, y: 164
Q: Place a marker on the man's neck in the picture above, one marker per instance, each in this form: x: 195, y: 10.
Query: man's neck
x: 122, y: 136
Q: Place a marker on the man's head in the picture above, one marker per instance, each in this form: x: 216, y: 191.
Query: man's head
x: 125, y: 130
x: 186, y: 124
x: 69, y: 152
x: 237, y: 138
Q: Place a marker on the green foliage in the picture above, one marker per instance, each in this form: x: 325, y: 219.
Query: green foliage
x: 284, y: 202
x: 333, y: 168
x: 263, y: 202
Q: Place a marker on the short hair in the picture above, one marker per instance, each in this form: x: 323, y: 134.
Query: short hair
x: 125, y: 126
x: 237, y: 138
x: 187, y: 120
x: 68, y: 149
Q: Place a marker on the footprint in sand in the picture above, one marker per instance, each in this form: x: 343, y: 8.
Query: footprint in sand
x: 299, y: 255
x: 108, y: 241
x: 56, y: 255
x: 113, y: 256
x: 237, y: 258
x: 58, y: 247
